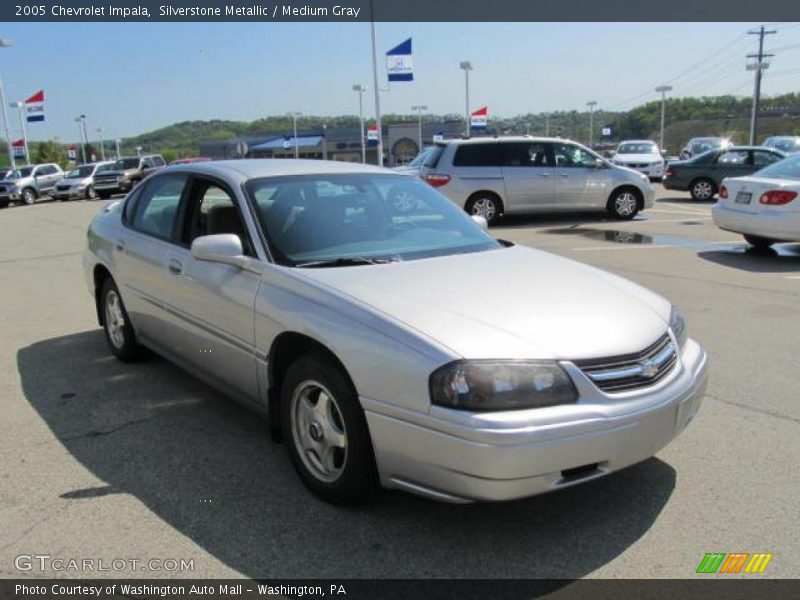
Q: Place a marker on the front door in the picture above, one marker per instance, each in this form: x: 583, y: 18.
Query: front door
x: 580, y: 181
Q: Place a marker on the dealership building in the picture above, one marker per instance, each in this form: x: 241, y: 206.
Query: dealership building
x: 401, y: 143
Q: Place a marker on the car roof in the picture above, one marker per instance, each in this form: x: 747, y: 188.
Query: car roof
x: 637, y: 142
x: 250, y: 168
x: 504, y: 138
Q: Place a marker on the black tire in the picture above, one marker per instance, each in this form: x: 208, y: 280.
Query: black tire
x: 122, y: 341
x: 90, y: 193
x: 624, y: 203
x: 486, y: 204
x: 351, y: 476
x: 29, y: 196
x: 4, y: 203
x: 702, y: 189
x: 758, y: 242
x: 104, y: 195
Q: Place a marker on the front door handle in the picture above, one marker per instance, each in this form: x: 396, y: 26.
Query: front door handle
x: 175, y: 267
x: 565, y: 174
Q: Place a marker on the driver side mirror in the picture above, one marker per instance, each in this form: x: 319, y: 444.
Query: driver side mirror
x: 599, y: 163
x: 225, y: 248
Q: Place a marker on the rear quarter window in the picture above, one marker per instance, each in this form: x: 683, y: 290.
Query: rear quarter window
x: 432, y: 159
x: 477, y: 155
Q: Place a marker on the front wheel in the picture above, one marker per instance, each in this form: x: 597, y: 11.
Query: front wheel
x: 29, y: 196
x: 758, y: 242
x: 485, y: 205
x: 326, y: 431
x: 117, y: 326
x: 90, y: 193
x: 623, y: 204
x: 702, y: 189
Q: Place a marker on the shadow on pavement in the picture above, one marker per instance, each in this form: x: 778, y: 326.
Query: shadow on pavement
x: 205, y: 466
x: 781, y: 258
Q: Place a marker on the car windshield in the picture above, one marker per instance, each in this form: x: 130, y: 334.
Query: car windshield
x: 105, y: 167
x: 788, y: 168
x: 638, y: 148
x: 81, y: 172
x: 126, y: 163
x: 23, y: 172
x: 787, y: 145
x: 361, y: 218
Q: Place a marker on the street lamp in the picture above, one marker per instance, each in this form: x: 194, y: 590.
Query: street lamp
x: 360, y: 88
x: 663, y: 89
x: 102, y: 144
x: 591, y: 104
x: 20, y: 106
x: 467, y: 67
x: 294, y: 116
x: 117, y: 142
x: 80, y: 135
x: 85, y: 134
x: 419, y: 108
x: 5, y: 43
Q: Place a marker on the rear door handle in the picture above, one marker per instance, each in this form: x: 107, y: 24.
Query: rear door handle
x: 175, y: 267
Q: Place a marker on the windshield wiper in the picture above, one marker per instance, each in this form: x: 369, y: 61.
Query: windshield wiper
x: 344, y: 262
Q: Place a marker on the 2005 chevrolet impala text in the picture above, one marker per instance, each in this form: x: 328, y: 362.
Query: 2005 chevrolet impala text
x: 391, y: 341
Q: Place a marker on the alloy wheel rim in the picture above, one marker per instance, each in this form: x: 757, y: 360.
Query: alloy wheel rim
x: 702, y: 190
x: 484, y: 207
x: 115, y: 320
x: 318, y: 431
x: 625, y: 204
x: 29, y: 198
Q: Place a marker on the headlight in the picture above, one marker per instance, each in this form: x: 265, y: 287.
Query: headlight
x: 488, y: 385
x: 678, y: 326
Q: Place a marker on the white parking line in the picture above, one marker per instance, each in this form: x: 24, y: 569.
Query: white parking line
x: 678, y: 212
x: 628, y: 247
x: 793, y: 277
x: 674, y: 220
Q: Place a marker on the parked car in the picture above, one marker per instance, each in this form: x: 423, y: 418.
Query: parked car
x: 494, y: 176
x: 28, y: 184
x: 414, y: 166
x: 5, y: 172
x: 79, y: 183
x: 702, y: 175
x: 413, y: 350
x: 189, y: 160
x: 126, y: 174
x: 764, y: 206
x: 785, y: 143
x: 641, y: 155
x: 700, y: 145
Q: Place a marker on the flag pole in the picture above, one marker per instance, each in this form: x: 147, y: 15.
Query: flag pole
x: 375, y: 83
x: 21, y: 110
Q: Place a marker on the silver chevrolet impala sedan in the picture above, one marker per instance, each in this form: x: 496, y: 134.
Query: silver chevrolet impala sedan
x: 385, y: 335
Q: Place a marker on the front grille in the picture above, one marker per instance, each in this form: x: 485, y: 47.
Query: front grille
x: 107, y: 180
x: 632, y: 371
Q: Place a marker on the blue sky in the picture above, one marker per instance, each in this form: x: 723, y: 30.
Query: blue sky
x: 129, y: 78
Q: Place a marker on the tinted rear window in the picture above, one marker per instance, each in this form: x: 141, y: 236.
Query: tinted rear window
x: 477, y: 155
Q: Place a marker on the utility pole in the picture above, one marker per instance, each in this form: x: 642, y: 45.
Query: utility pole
x: 759, y: 66
x: 663, y: 89
x: 467, y: 67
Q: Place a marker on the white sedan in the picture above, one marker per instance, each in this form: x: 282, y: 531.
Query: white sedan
x: 763, y: 206
x: 641, y: 155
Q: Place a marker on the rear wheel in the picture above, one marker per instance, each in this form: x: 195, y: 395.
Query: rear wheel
x: 758, y: 242
x: 624, y: 203
x: 484, y: 204
x: 702, y: 189
x: 326, y: 431
x: 117, y: 326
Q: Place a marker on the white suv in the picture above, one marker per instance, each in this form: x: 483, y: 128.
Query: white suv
x: 494, y: 176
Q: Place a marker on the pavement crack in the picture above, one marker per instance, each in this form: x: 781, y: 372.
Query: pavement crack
x: 105, y: 432
x: 763, y: 411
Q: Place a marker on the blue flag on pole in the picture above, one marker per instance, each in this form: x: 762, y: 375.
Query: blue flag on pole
x: 399, y: 63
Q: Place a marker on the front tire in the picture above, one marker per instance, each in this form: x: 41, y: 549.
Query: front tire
x: 119, y: 333
x: 484, y: 204
x: 702, y: 189
x: 624, y: 204
x: 90, y: 193
x: 326, y: 431
x: 758, y: 242
x: 29, y: 196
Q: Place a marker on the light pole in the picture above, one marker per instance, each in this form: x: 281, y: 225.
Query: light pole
x: 80, y: 135
x: 5, y: 43
x: 663, y: 89
x: 591, y: 104
x: 85, y: 134
x: 294, y: 116
x: 467, y: 67
x: 20, y: 106
x: 360, y: 88
x: 102, y: 144
x: 419, y: 108
x: 117, y: 142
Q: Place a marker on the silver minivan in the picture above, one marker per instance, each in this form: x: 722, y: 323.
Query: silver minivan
x: 509, y: 175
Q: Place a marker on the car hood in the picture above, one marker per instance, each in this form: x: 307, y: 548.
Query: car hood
x: 513, y: 302
x: 638, y: 158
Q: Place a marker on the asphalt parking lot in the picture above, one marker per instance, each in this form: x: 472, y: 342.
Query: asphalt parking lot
x: 104, y: 460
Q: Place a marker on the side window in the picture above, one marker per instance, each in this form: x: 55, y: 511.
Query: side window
x: 158, y: 161
x: 147, y: 163
x: 762, y: 159
x: 569, y: 156
x: 212, y: 211
x: 477, y: 155
x: 734, y: 157
x: 38, y: 172
x: 157, y: 206
x: 525, y: 154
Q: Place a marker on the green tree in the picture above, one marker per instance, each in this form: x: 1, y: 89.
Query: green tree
x: 49, y: 151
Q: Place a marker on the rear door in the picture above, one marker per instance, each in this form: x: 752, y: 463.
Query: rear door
x: 212, y: 304
x: 528, y: 175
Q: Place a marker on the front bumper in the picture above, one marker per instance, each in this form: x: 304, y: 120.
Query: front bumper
x: 10, y: 196
x: 773, y: 224
x: 454, y: 462
x: 652, y: 171
x: 69, y: 194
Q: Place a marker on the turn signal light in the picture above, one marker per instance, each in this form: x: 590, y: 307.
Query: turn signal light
x: 437, y: 179
x: 723, y: 192
x: 777, y: 197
